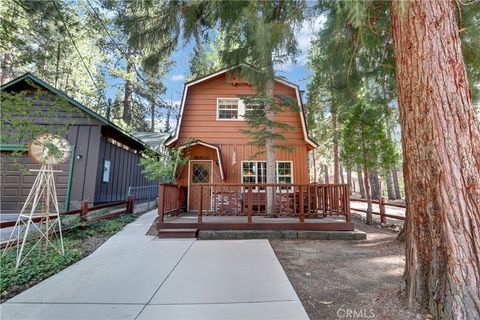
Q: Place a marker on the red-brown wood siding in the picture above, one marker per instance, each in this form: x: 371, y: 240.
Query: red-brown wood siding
x: 199, y: 122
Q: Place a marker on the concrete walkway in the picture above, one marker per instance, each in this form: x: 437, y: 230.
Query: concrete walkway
x: 134, y: 276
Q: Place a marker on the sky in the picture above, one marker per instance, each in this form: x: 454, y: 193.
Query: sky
x: 295, y: 72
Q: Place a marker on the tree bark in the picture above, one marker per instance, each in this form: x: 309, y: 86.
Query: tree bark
x: 152, y: 114
x: 361, y: 186
x: 368, y: 195
x: 336, y: 173
x: 390, y: 191
x: 128, y: 92
x: 7, y: 66
x: 327, y: 177
x: 396, y: 186
x: 375, y: 184
x: 270, y: 144
x: 349, y: 180
x: 441, y: 148
x: 342, y: 178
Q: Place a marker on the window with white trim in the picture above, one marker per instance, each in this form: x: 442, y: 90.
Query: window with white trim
x: 255, y: 172
x: 229, y: 109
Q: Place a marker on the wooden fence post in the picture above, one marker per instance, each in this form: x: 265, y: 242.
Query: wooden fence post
x: 381, y: 205
x: 300, y: 194
x: 84, y: 215
x: 161, y: 202
x: 130, y: 204
x: 178, y: 200
x: 249, y: 204
x: 201, y: 205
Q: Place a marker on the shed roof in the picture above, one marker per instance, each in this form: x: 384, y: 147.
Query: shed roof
x: 104, y: 121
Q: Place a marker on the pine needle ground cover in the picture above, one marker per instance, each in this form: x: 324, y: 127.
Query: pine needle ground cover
x: 40, y: 265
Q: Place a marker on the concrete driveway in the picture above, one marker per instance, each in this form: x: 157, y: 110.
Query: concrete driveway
x: 134, y: 276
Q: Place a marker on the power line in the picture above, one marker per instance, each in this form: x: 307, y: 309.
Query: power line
x: 125, y: 56
x: 76, y: 48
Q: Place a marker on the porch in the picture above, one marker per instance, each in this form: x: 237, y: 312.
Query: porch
x: 305, y: 207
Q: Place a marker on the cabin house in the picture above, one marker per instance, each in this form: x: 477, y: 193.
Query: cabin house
x: 225, y: 174
x: 104, y: 161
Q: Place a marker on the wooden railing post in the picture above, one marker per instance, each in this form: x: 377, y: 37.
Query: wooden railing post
x: 84, y: 215
x: 381, y: 205
x: 300, y: 194
x: 161, y: 202
x: 200, y: 211
x: 178, y: 200
x: 249, y: 204
x: 130, y: 204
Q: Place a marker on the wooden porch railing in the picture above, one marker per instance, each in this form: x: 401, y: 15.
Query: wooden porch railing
x: 302, y: 200
x: 171, y: 198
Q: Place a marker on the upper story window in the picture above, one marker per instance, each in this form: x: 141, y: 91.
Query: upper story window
x: 229, y: 109
x: 233, y: 108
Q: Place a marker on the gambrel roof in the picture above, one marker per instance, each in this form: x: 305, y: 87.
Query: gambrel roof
x: 187, y: 85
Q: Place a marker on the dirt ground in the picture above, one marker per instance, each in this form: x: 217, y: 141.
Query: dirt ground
x: 348, y: 279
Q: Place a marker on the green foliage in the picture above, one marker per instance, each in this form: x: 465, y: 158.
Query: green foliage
x: 35, y: 38
x: 41, y: 264
x: 364, y: 138
x: 163, y: 168
x: 258, y: 123
x: 206, y: 57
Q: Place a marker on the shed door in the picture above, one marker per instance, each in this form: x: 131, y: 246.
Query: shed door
x: 200, y: 173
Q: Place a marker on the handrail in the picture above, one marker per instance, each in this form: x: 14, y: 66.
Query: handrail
x: 83, y: 212
x: 248, y: 199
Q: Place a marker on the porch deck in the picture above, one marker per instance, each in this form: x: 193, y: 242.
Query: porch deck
x: 310, y: 207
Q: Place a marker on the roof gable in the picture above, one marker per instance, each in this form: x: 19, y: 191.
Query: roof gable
x: 189, y: 84
x: 90, y: 112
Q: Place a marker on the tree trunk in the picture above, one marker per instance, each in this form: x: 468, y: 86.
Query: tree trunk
x: 361, y: 186
x: 368, y: 194
x: 336, y: 165
x: 390, y: 192
x: 57, y: 65
x: 396, y: 186
x: 342, y: 178
x: 349, y: 180
x: 441, y: 148
x: 152, y: 114
x: 327, y: 177
x: 7, y: 66
x: 128, y: 92
x: 270, y: 145
x: 167, y: 118
x: 375, y: 184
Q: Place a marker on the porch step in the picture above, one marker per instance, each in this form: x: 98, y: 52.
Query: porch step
x: 177, y: 233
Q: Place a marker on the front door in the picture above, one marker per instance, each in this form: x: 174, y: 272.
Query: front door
x: 200, y: 173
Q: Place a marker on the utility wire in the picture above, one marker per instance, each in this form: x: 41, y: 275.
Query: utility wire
x: 125, y: 56
x: 75, y: 45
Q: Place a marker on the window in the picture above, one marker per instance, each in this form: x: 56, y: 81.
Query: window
x: 234, y: 108
x: 228, y: 109
x: 255, y: 172
x: 106, y: 171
